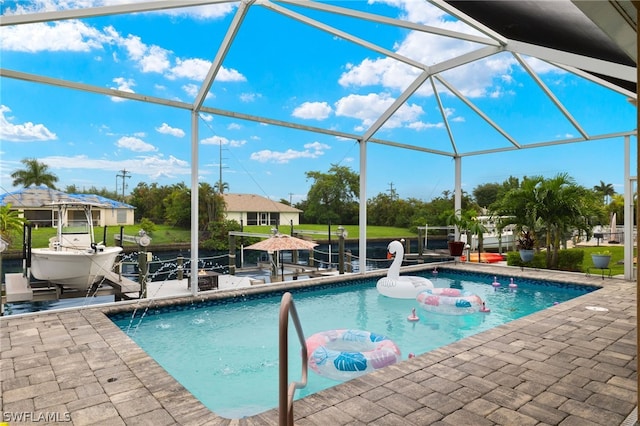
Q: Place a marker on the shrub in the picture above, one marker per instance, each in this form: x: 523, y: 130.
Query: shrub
x: 568, y: 260
x: 526, y: 241
x: 148, y: 226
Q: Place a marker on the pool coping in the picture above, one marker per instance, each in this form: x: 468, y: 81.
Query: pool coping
x: 564, y: 365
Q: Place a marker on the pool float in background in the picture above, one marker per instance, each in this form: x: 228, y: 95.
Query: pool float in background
x: 346, y: 354
x: 400, y: 287
x: 450, y: 301
x: 495, y: 282
x: 413, y: 317
x: 484, y: 257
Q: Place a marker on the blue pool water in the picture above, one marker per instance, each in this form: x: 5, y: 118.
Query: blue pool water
x: 226, y: 352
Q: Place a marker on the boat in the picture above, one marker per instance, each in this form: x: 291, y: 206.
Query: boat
x: 73, y: 259
x: 492, y: 239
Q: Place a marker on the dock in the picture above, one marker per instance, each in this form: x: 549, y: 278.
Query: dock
x: 18, y: 288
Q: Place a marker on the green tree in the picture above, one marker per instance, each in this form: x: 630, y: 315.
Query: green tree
x: 605, y: 190
x: 486, y: 194
x: 521, y: 203
x: 382, y: 210
x: 178, y: 206
x: 220, y: 187
x: 333, y: 196
x: 211, y: 206
x: 617, y: 206
x: 10, y: 222
x: 552, y: 208
x: 34, y: 173
x: 149, y: 201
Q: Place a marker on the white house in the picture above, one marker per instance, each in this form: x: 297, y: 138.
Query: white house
x: 34, y: 204
x: 250, y: 209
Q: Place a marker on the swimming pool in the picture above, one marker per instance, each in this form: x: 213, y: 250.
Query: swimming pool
x: 225, y: 352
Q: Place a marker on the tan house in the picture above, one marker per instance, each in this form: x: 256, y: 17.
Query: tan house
x: 250, y: 209
x: 34, y: 204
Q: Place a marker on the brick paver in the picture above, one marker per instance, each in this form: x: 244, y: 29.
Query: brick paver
x: 567, y: 365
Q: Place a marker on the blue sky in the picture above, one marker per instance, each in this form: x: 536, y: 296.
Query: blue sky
x: 281, y: 69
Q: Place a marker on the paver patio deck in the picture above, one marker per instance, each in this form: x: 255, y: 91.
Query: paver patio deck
x: 566, y: 365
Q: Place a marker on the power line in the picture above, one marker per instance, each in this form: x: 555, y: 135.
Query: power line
x: 125, y: 174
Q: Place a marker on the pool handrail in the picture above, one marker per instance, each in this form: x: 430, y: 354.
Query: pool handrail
x: 287, y: 391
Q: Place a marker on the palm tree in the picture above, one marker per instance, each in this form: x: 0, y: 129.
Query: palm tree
x: 606, y: 190
x: 10, y: 222
x: 34, y: 173
x: 551, y: 208
x: 220, y: 187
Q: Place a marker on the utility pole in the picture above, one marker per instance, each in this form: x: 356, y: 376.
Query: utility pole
x: 220, y: 183
x: 392, y: 192
x: 125, y: 174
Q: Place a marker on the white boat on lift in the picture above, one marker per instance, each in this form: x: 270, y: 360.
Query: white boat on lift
x: 492, y: 239
x: 73, y: 259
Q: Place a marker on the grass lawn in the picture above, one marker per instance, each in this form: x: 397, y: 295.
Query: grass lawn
x: 617, y: 255
x: 162, y: 235
x: 165, y: 234
x: 352, y: 231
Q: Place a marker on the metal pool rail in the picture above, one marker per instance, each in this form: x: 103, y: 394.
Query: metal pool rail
x: 287, y: 391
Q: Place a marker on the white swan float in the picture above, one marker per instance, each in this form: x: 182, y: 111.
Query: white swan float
x: 400, y: 287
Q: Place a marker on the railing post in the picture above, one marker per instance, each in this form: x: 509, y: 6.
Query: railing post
x: 232, y: 254
x: 143, y: 270
x: 286, y: 391
x: 180, y: 268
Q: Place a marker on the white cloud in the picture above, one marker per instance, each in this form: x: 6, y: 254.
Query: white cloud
x: 197, y: 69
x: 67, y: 36
x: 156, y: 60
x: 312, y: 150
x: 313, y: 110
x: 367, y: 109
x: 134, y: 46
x: 123, y: 84
x: 421, y: 125
x: 203, y: 12
x: 149, y: 58
x: 25, y: 132
x: 249, y: 97
x: 152, y: 166
x: 208, y: 12
x: 474, y: 80
x: 191, y: 90
x: 135, y: 144
x: 220, y: 140
x: 168, y: 130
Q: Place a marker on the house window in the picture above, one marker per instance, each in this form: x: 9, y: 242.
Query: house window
x: 252, y: 218
x: 121, y: 216
x: 39, y: 217
x: 275, y: 219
